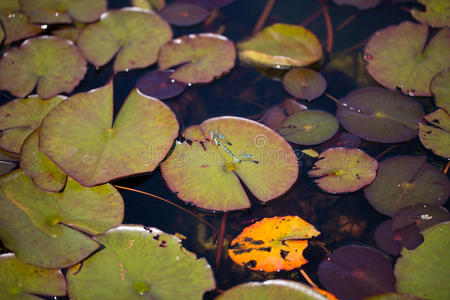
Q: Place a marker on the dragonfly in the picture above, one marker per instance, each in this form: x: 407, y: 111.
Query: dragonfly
x: 221, y: 141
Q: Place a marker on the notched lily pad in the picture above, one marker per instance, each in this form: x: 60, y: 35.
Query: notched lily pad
x: 440, y: 87
x: 393, y: 240
x: 202, y: 57
x: 273, y: 244
x: 133, y: 34
x: 436, y: 135
x: 142, y: 134
x: 344, y: 170
x: 184, y: 14
x: 397, y: 57
x: 137, y: 263
x: 19, y: 280
x: 304, y: 83
x: 159, y: 85
x: 281, y: 46
x: 436, y: 14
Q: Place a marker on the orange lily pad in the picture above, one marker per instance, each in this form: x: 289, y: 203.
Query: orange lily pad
x: 273, y: 244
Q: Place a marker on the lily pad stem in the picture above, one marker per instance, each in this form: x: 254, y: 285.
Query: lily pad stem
x: 220, y: 244
x: 263, y: 17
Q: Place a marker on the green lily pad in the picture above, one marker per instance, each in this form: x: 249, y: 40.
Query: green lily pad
x: 142, y: 134
x: 140, y: 263
x: 281, y: 46
x: 39, y: 226
x: 436, y: 14
x: 440, y: 87
x: 68, y: 32
x: 21, y: 281
x: 274, y: 289
x: 397, y: 57
x: 380, y: 115
x: 344, y: 170
x: 52, y: 64
x: 133, y: 34
x: 309, y: 127
x: 203, y: 57
x: 44, y: 173
x: 67, y: 11
x: 406, y: 180
x: 15, y: 22
x: 149, y: 4
x: 423, y: 271
x: 304, y: 83
x: 436, y: 136
x: 207, y: 173
x: 18, y: 118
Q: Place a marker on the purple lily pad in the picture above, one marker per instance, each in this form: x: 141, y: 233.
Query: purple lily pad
x: 304, y: 83
x: 159, y: 85
x: 343, y: 139
x: 392, y: 241
x: 360, y: 4
x: 355, y: 272
x: 183, y: 14
x: 420, y: 215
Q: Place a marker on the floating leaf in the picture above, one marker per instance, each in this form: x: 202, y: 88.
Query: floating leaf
x: 18, y: 118
x: 134, y: 35
x: 281, y: 46
x: 355, y: 272
x: 44, y: 173
x: 159, y: 85
x: 274, y: 289
x: 406, y: 180
x: 380, y: 115
x: 343, y: 170
x: 273, y: 244
x: 440, y: 87
x: 51, y: 64
x: 360, y: 4
x: 141, y: 136
x: 207, y: 173
x: 15, y: 22
x: 436, y: 14
x: 309, y: 127
x: 437, y: 136
x: 137, y: 263
x: 424, y: 271
x: 149, y: 4
x: 57, y: 11
x: 39, y: 226
x: 19, y: 280
x: 342, y: 139
x: 392, y: 241
x: 275, y: 115
x: 304, y: 83
x: 183, y: 14
x: 203, y: 57
x: 398, y: 58
x: 68, y: 32
x: 420, y: 215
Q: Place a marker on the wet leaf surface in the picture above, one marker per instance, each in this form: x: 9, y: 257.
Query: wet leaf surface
x: 436, y: 14
x: 392, y: 241
x: 360, y: 4
x: 380, y: 115
x: 53, y: 65
x: 183, y: 14
x: 398, y: 56
x: 140, y: 262
x: 420, y: 215
x: 440, y: 87
x: 422, y: 271
x: 200, y: 57
x: 281, y: 46
x: 355, y: 272
x: 139, y: 138
x: 159, y: 85
x: 344, y: 170
x: 133, y: 35
x: 304, y: 83
x: 15, y: 22
x: 436, y: 135
x: 406, y: 180
x: 273, y: 244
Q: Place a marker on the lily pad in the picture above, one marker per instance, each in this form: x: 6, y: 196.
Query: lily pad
x: 380, y: 115
x: 420, y: 215
x: 149, y: 4
x: 67, y: 11
x: 207, y: 173
x: 342, y: 139
x: 141, y: 136
x: 440, y: 87
x: 344, y: 170
x: 360, y: 4
x: 273, y: 244
x: 424, y: 271
x: 183, y: 14
x: 202, y: 57
x: 44, y: 173
x: 304, y: 83
x: 137, y: 263
x: 436, y: 14
x: 276, y: 114
x: 406, y: 180
x: 309, y: 127
x: 274, y: 289
x: 159, y: 85
x: 21, y: 281
x: 436, y: 136
x: 356, y: 272
x: 52, y: 64
x: 15, y: 22
x: 133, y: 34
x: 397, y: 57
x: 68, y: 32
x: 281, y: 46
x: 392, y: 241
x: 40, y: 226
x: 18, y: 118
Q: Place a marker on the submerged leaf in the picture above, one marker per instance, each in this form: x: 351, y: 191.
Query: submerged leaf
x: 436, y: 136
x: 183, y: 14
